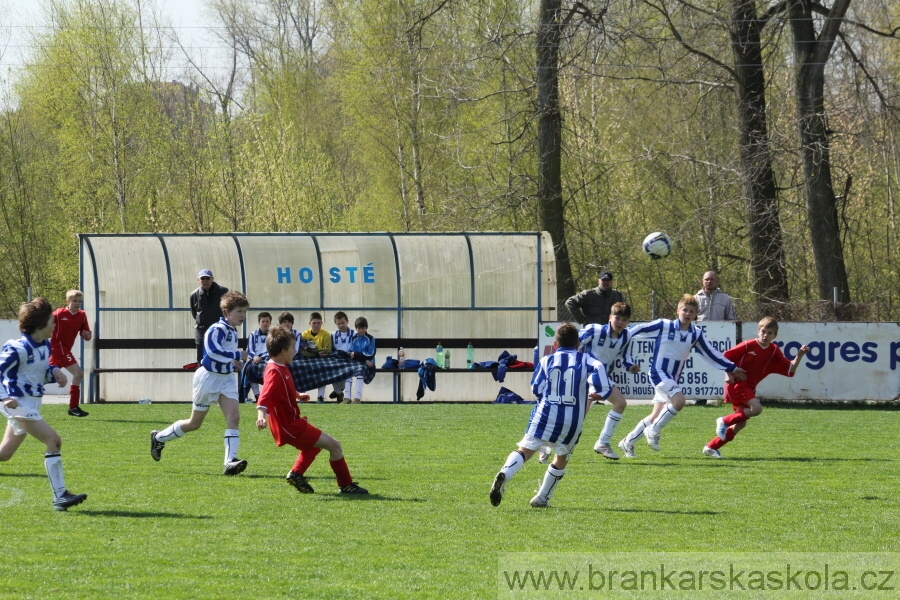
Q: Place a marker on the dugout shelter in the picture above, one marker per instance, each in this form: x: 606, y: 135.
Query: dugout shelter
x: 447, y: 287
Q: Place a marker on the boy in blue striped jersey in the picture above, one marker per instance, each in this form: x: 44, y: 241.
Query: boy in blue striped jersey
x: 25, y: 368
x: 566, y: 382
x: 674, y: 340
x: 607, y: 343
x: 340, y: 340
x: 256, y: 347
x: 215, y: 383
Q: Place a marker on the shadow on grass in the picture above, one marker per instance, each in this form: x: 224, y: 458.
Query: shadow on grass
x: 322, y: 478
x: 804, y: 459
x: 665, y: 512
x: 148, y: 422
x: 365, y: 498
x: 138, y: 515
x: 17, y: 475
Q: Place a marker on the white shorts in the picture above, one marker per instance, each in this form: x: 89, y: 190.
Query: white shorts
x: 665, y: 389
x: 208, y: 386
x: 533, y: 443
x: 29, y: 409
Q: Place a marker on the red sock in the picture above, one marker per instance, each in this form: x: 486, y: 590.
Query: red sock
x: 341, y: 471
x: 734, y: 418
x: 718, y: 442
x: 305, y: 459
x: 74, y: 395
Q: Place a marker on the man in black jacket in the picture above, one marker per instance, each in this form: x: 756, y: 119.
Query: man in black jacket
x: 205, y: 307
x: 594, y: 305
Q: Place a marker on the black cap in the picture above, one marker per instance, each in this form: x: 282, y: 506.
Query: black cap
x: 605, y: 275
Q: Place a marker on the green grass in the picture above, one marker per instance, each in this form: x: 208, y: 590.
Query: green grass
x: 794, y: 480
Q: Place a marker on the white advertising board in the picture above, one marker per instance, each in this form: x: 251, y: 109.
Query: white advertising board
x: 846, y: 362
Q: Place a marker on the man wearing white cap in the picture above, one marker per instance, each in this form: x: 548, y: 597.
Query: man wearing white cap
x: 205, y: 307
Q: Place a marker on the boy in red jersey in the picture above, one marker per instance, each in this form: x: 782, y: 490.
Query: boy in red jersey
x: 71, y: 322
x: 759, y: 358
x: 278, y: 404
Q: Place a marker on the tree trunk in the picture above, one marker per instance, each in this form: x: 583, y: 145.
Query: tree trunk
x: 758, y: 178
x: 811, y: 54
x: 550, y: 143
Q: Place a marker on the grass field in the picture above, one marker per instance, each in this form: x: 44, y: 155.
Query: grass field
x: 799, y: 480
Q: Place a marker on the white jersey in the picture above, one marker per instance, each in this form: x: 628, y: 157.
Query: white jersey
x: 256, y: 345
x: 341, y: 340
x: 673, y: 346
x: 562, y: 381
x: 598, y: 340
x: 25, y: 367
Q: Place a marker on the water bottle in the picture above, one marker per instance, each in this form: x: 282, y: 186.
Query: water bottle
x: 447, y: 358
x: 144, y: 401
x: 401, y: 356
x: 439, y: 355
x: 470, y: 356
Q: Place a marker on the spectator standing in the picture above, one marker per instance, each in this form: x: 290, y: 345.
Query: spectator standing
x: 715, y: 305
x: 205, y: 309
x: 594, y: 305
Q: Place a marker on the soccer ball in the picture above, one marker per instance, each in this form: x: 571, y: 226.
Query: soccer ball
x: 657, y: 245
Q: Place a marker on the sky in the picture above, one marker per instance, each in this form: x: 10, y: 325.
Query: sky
x: 19, y: 19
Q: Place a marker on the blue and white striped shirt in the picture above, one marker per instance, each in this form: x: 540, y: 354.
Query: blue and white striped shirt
x: 598, y: 340
x: 673, y: 346
x: 220, y: 348
x: 25, y: 367
x: 256, y: 345
x: 341, y: 340
x: 563, y: 381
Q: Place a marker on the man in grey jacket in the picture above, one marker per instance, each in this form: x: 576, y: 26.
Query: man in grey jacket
x: 715, y: 305
x: 594, y: 305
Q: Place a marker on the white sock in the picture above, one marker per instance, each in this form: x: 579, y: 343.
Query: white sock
x: 666, y: 416
x: 348, y: 387
x: 638, y: 431
x: 53, y: 465
x: 609, y: 426
x: 170, y: 433
x: 321, y: 392
x: 255, y: 388
x: 514, y: 462
x: 232, y: 442
x: 551, y: 478
x: 359, y: 387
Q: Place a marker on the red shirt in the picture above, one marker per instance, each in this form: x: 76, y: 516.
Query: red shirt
x: 68, y: 326
x: 758, y: 362
x: 279, y: 397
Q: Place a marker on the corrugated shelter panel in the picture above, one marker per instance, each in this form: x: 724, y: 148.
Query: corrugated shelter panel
x: 188, y: 254
x: 435, y: 271
x: 358, y: 270
x: 548, y: 279
x: 470, y: 324
x: 282, y: 272
x: 506, y: 271
x: 131, y: 272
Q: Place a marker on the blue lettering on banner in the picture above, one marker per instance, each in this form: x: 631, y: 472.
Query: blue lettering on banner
x: 895, y: 355
x: 821, y: 353
x: 335, y: 274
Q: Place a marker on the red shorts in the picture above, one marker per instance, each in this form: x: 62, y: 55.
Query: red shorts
x: 62, y: 360
x: 300, y: 434
x: 738, y: 396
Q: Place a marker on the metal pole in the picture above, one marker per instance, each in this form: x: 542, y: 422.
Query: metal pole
x: 29, y: 294
x: 837, y: 297
x: 652, y: 305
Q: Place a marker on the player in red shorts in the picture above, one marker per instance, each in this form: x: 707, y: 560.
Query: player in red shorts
x: 71, y: 322
x: 759, y: 358
x: 278, y: 402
